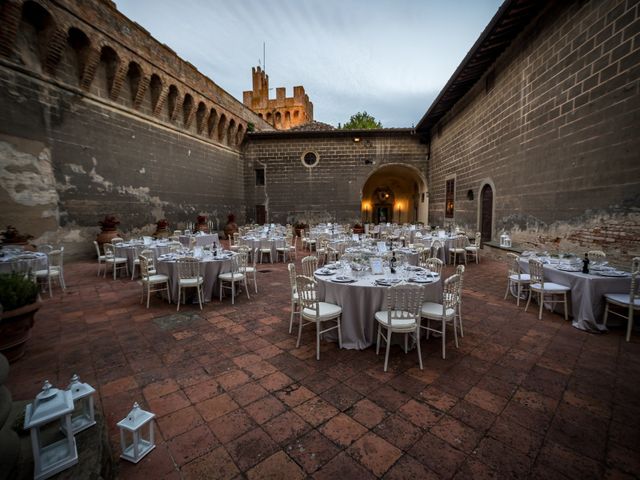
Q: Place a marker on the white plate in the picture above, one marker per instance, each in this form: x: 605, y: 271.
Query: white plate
x: 422, y: 280
x: 613, y: 274
x: 343, y: 280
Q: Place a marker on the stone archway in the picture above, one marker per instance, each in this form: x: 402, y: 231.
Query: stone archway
x: 395, y: 193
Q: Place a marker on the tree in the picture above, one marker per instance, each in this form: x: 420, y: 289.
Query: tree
x: 361, y: 120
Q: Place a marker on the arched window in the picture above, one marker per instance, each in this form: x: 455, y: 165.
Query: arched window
x: 106, y: 72
x: 212, y: 122
x: 134, y: 75
x: 222, y: 128
x: 231, y: 133
x: 202, y: 110
x: 155, y: 90
x: 35, y: 29
x: 75, y: 57
x: 187, y: 105
x: 172, y: 102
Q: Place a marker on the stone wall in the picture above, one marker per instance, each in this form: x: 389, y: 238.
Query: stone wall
x: 99, y: 118
x: 553, y: 129
x: 330, y: 191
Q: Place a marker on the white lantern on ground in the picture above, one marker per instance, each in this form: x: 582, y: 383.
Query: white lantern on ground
x: 51, y: 405
x: 134, y: 423
x: 83, y: 416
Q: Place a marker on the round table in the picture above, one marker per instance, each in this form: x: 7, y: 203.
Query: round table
x: 21, y: 261
x: 360, y: 300
x: 210, y: 268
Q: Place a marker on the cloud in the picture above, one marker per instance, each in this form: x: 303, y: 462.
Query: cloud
x: 350, y: 55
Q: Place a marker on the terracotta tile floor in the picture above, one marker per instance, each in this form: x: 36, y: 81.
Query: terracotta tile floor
x: 520, y: 398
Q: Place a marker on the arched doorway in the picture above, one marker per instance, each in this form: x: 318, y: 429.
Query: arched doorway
x: 486, y: 212
x: 395, y: 193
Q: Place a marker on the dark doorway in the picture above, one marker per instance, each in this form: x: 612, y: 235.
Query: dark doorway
x: 382, y: 214
x: 261, y: 215
x: 486, y: 212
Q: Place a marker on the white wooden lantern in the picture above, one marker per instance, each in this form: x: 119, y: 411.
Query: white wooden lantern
x: 51, y: 405
x: 83, y: 416
x: 507, y: 241
x: 503, y: 239
x: 134, y: 423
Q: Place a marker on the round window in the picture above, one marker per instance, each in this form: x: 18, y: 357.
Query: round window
x: 310, y: 159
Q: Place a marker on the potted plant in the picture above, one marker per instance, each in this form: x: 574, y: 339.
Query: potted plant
x: 162, y: 229
x: 109, y: 229
x: 231, y: 227
x: 11, y: 236
x: 20, y: 303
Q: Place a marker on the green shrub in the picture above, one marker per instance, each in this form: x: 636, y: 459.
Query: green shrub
x: 16, y: 291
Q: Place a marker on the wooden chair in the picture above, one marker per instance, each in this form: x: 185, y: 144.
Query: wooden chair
x: 151, y: 279
x: 238, y: 265
x: 473, y: 250
x: 515, y: 278
x: 189, y: 277
x: 309, y: 265
x: 444, y: 313
x: 457, y: 249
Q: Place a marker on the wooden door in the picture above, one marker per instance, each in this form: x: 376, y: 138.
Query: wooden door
x: 261, y: 215
x: 486, y: 213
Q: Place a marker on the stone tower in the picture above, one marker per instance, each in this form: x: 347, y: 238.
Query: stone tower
x: 282, y: 112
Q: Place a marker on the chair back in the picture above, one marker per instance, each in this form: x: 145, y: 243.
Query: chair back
x: 177, y: 233
x: 146, y: 265
x: 292, y: 277
x: 95, y: 244
x: 404, y: 302
x: 536, y: 272
x: 450, y: 293
x: 56, y: 258
x: 435, y: 265
x: 46, y: 248
x: 635, y: 273
x: 265, y: 244
x: 460, y: 242
x: 514, y: 265
x: 109, y: 250
x: 188, y: 267
x: 460, y: 272
x: 436, y: 246
x: 309, y: 265
x: 307, y: 296
x: 116, y: 240
x: 478, y: 241
x: 148, y: 253
x: 240, y: 259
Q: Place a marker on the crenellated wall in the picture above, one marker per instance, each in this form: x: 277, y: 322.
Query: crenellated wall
x: 98, y: 117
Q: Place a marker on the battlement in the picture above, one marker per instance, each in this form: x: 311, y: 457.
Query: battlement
x: 282, y: 112
x: 94, y: 48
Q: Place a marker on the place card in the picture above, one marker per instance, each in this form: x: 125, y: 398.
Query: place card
x: 376, y: 266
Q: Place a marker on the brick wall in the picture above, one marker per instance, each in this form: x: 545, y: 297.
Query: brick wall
x: 556, y: 136
x: 332, y: 189
x: 98, y: 117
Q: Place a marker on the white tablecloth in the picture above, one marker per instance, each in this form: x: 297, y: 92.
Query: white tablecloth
x: 587, y: 294
x: 201, y: 240
x: 210, y: 268
x: 12, y: 260
x: 360, y: 301
x: 132, y: 251
x: 274, y: 243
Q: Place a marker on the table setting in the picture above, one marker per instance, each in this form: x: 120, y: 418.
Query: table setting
x: 586, y: 304
x: 352, y: 285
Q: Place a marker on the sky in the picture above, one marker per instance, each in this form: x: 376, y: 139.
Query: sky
x: 387, y: 57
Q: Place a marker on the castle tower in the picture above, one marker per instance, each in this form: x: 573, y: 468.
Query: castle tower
x: 282, y: 112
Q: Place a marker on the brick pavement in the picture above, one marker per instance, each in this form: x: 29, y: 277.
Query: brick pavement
x: 520, y: 398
